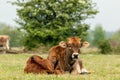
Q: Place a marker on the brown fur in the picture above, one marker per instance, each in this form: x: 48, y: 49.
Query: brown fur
x: 62, y: 57
x: 56, y: 56
x: 37, y: 64
x: 4, y: 41
x: 59, y: 60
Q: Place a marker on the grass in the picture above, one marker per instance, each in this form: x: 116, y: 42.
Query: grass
x: 105, y: 67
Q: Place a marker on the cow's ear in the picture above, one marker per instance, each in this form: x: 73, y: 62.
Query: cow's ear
x: 63, y: 44
x: 85, y: 44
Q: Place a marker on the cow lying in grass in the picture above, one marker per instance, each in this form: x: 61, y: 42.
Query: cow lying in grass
x: 65, y: 57
x: 62, y: 58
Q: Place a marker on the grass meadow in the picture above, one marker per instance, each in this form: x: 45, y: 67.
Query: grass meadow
x: 105, y: 67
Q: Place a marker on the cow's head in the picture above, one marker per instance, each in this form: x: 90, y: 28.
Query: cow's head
x: 73, y: 46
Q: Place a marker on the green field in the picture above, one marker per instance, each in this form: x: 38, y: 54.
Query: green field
x: 105, y: 67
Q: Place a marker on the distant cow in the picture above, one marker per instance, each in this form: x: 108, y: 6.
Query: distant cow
x: 4, y: 41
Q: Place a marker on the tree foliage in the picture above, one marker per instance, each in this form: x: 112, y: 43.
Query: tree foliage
x: 115, y: 42
x: 116, y: 36
x: 49, y: 21
x: 98, y: 34
x: 100, y: 40
x: 105, y: 46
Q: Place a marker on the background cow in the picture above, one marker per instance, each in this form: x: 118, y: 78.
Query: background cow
x: 4, y: 41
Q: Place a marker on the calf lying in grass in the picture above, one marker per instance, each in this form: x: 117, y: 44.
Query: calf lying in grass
x: 62, y: 58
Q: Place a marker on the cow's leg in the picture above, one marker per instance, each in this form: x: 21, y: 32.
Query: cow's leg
x: 83, y: 70
x: 78, y: 68
x: 4, y: 48
x: 7, y: 45
x: 59, y: 69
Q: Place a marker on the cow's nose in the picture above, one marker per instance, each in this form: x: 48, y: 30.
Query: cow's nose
x: 75, y: 55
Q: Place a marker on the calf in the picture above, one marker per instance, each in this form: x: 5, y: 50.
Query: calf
x: 65, y: 56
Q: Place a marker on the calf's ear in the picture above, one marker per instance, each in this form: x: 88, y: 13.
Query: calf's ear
x: 63, y: 44
x: 85, y: 44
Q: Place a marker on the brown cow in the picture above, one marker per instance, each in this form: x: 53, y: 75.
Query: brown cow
x: 4, y: 41
x: 61, y: 58
x: 66, y: 58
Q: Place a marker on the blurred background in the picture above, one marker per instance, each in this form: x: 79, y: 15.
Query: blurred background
x: 36, y: 27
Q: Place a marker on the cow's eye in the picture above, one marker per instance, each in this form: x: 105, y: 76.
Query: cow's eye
x: 69, y: 46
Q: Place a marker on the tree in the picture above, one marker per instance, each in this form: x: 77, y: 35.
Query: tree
x: 116, y: 36
x: 115, y: 42
x: 98, y: 34
x: 99, y: 40
x: 49, y: 21
x: 105, y: 46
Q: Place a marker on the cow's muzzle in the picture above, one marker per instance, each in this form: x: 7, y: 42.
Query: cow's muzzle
x: 75, y: 55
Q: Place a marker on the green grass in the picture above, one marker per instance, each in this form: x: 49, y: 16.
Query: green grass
x: 105, y: 67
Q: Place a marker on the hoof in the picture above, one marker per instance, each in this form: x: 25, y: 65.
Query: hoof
x: 84, y: 71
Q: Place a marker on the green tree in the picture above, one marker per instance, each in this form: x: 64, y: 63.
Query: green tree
x: 115, y: 42
x: 99, y: 40
x: 105, y: 46
x: 116, y: 36
x: 49, y: 21
x: 98, y: 34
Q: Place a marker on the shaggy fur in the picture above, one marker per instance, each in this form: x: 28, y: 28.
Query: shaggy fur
x: 56, y: 56
x: 37, y: 64
x: 62, y: 59
x: 4, y: 41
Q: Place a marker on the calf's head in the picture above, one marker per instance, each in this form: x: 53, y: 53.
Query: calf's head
x: 73, y: 46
